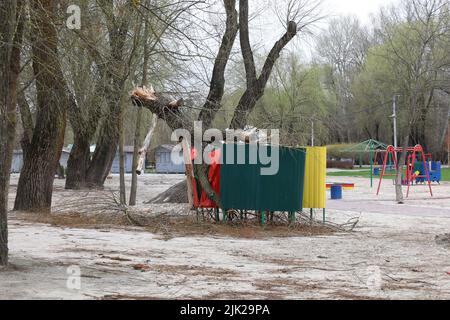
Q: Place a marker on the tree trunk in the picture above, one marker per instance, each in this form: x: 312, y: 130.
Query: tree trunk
x: 107, y: 143
x: 11, y: 27
x: 123, y: 191
x: 401, y: 163
x: 27, y: 120
x: 141, y: 158
x: 78, y: 164
x: 84, y: 128
x: 134, y: 177
x: 189, y: 171
x: 103, y: 158
x: 137, y: 135
x: 34, y: 192
x: 114, y: 69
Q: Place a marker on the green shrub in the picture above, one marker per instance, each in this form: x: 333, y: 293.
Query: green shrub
x: 337, y: 151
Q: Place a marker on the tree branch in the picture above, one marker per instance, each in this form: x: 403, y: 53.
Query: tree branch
x: 253, y: 93
x: 166, y: 109
x: 247, y: 53
x: 216, y: 92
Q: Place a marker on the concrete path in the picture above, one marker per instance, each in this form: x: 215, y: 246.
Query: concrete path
x: 377, y: 207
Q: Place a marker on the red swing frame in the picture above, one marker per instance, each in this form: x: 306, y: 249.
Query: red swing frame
x: 411, y: 160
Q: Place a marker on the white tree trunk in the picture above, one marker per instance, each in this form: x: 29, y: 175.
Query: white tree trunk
x: 148, y: 140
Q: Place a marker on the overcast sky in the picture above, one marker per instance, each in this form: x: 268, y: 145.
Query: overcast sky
x: 360, y: 8
x: 266, y: 28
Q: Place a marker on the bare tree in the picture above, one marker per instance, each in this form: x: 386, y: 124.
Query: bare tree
x: 255, y: 85
x: 344, y: 46
x: 116, y: 51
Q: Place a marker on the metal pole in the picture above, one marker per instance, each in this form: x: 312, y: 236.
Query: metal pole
x: 394, y: 116
x: 371, y: 166
x: 312, y: 133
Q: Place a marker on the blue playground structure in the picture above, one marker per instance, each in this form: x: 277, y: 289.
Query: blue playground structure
x: 435, y: 169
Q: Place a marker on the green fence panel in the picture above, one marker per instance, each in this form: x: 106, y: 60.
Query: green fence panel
x: 243, y: 187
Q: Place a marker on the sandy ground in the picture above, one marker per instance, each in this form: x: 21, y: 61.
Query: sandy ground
x: 392, y: 254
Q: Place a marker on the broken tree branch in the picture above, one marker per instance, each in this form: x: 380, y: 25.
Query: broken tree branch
x: 148, y: 140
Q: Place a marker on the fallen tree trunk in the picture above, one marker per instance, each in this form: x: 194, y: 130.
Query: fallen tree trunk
x: 176, y: 194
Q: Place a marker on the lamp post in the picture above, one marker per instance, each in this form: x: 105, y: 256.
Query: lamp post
x: 394, y: 117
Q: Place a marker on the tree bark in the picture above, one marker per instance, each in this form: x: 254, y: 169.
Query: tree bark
x: 78, y: 164
x: 27, y: 120
x: 11, y: 31
x: 34, y: 192
x: 134, y: 174
x: 123, y: 191
x: 84, y: 127
x: 108, y: 139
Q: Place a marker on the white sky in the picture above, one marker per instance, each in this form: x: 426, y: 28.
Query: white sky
x: 360, y: 8
x: 266, y: 27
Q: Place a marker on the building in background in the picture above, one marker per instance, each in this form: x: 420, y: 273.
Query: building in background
x: 164, y: 160
x: 17, y: 161
x: 128, y: 151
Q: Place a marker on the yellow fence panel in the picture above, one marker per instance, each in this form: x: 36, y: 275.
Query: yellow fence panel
x: 315, y: 192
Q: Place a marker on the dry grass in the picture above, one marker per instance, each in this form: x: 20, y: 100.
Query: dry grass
x: 184, y: 226
x: 242, y: 295
x: 128, y: 297
x: 73, y: 220
x: 188, y: 270
x: 188, y: 226
x: 346, y: 295
x: 286, y: 284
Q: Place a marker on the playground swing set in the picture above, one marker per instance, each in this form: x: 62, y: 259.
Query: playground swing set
x: 420, y: 167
